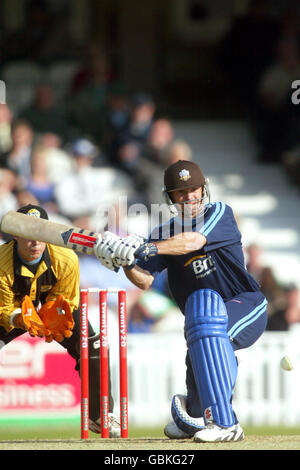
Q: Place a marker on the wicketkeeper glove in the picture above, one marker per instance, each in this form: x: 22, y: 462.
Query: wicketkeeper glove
x: 31, y: 321
x: 57, y: 316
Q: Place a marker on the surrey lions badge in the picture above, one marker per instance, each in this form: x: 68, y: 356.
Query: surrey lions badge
x: 184, y: 175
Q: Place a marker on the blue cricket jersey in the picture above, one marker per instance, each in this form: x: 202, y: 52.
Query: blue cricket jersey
x: 219, y: 265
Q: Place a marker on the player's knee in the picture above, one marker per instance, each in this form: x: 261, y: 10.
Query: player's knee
x: 205, y: 314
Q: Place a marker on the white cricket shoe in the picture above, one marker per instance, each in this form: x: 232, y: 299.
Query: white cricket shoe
x: 114, y: 426
x: 214, y: 433
x: 172, y: 431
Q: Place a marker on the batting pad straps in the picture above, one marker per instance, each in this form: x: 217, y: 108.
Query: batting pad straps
x: 212, y: 357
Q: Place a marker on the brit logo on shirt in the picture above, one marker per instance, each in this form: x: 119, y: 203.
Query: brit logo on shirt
x: 201, y: 265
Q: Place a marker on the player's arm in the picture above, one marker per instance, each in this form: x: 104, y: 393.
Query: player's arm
x: 178, y: 245
x: 19, y: 314
x: 124, y: 252
x: 139, y: 277
x: 10, y: 308
x: 181, y: 244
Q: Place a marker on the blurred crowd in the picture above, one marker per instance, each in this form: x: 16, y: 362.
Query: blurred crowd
x: 73, y: 140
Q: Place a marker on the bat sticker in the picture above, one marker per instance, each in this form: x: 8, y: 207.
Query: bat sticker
x: 81, y: 239
x: 66, y: 235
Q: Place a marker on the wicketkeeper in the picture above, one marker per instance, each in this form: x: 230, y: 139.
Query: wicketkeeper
x: 39, y: 294
x: 223, y: 306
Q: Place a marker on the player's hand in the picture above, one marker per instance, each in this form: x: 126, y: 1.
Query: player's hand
x: 57, y: 316
x: 146, y: 251
x: 123, y: 253
x: 31, y: 321
x: 104, y: 248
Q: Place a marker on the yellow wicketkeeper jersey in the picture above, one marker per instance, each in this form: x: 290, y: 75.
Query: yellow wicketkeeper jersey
x: 57, y: 273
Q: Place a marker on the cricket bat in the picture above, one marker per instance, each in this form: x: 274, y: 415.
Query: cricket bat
x: 34, y: 228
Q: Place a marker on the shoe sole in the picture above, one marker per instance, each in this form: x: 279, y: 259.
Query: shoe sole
x: 235, y: 438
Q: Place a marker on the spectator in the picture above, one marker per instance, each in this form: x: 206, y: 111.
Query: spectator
x: 6, y: 118
x: 178, y: 150
x: 59, y: 162
x: 289, y: 315
x: 160, y: 137
x: 8, y: 201
x: 127, y: 144
x: 141, y: 117
x: 88, y: 104
x: 39, y: 184
x: 265, y: 277
x: 92, y: 52
x: 43, y: 114
x: 152, y: 158
x: 87, y: 188
x: 116, y: 116
x: 18, y: 157
x: 272, y: 290
x: 25, y: 197
x: 254, y: 264
x: 143, y: 161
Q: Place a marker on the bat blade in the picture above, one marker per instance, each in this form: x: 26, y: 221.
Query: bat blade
x: 34, y: 228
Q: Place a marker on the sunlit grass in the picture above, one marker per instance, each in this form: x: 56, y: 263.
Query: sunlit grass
x: 60, y: 431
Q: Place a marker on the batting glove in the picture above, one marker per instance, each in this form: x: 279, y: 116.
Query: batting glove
x: 146, y: 251
x: 123, y: 254
x: 104, y: 248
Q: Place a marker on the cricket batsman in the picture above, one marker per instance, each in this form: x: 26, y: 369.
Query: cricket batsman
x: 224, y: 309
x: 39, y: 294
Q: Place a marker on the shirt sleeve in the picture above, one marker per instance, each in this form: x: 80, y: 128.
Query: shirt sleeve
x: 154, y: 265
x: 8, y: 303
x: 220, y: 229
